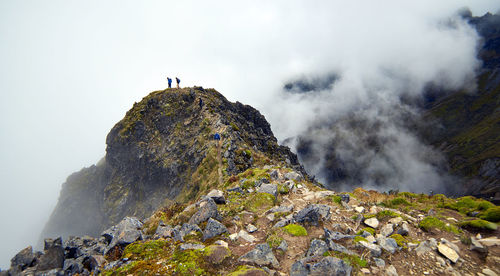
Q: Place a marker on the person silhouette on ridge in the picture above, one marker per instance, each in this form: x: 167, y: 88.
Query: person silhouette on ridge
x: 178, y: 81
x: 169, y: 82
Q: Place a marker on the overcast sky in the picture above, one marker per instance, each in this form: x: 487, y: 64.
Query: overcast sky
x: 69, y: 70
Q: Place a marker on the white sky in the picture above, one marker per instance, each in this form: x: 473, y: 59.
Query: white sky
x: 69, y: 70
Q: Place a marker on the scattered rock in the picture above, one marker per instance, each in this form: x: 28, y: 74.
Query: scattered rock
x: 222, y: 243
x: 247, y: 237
x: 387, y: 230
x: 379, y: 262
x: 345, y: 198
x: 164, y: 231
x: 23, y: 259
x: 236, y: 190
x: 53, y: 255
x: 375, y: 250
x: 423, y: 248
x: 271, y: 189
x: 488, y: 272
x: 391, y: 271
x: 396, y: 220
x: 359, y: 209
x: 388, y: 244
x: 448, y: 252
x: 326, y: 266
x: 313, y: 213
x: 492, y: 241
x: 280, y: 209
x: 125, y: 232
x: 293, y: 176
x: 317, y: 247
x: 372, y: 222
x: 283, y: 246
x: 261, y: 255
x: 189, y: 246
x: 404, y: 230
x: 479, y: 248
x: 213, y: 229
x: 217, y: 254
x: 274, y: 175
x: 206, y: 209
x: 217, y: 196
x: 251, y: 228
x: 72, y: 266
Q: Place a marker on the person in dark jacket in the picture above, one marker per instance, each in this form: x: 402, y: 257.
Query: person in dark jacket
x: 169, y: 82
x: 178, y: 81
x: 201, y: 103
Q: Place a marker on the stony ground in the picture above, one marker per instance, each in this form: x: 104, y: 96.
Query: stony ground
x: 269, y: 221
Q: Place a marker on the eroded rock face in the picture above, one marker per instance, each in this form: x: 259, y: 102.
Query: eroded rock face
x: 152, y: 153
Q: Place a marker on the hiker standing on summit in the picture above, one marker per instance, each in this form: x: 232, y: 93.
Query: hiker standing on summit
x: 169, y: 82
x: 178, y: 81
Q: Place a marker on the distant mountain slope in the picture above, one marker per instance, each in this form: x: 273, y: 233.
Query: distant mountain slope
x: 469, y: 123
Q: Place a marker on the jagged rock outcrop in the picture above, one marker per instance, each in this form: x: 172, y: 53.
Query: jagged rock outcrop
x: 163, y: 150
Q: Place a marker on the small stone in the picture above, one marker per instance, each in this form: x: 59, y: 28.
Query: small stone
x: 374, y: 210
x: 479, y: 248
x: 233, y: 237
x: 391, y: 271
x: 448, y: 252
x: 375, y: 250
x: 313, y: 213
x: 404, y: 230
x: 441, y: 261
x: 293, y: 176
x: 379, y: 262
x: 283, y: 246
x: 388, y: 244
x: 213, y: 229
x: 387, y: 230
x: 271, y: 189
x: 372, y: 222
x: 488, y: 272
x: 478, y: 236
x: 317, y: 248
x: 261, y: 255
x: 222, y: 243
x: 217, y: 196
x: 359, y: 209
x: 492, y: 241
x: 189, y: 246
x: 244, y: 235
x: 274, y: 175
x: 396, y: 220
x: 371, y: 239
x: 365, y: 270
x: 270, y: 217
x: 251, y: 228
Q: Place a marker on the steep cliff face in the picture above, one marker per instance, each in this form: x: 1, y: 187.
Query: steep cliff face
x: 163, y: 151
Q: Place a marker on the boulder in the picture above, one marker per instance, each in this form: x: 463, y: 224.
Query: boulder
x: 124, y: 233
x: 217, y: 196
x: 72, y: 266
x: 375, y: 250
x: 448, y: 252
x: 335, y: 236
x: 332, y: 246
x: 387, y: 230
x: 345, y: 198
x: 261, y: 255
x: 53, y: 255
x: 280, y: 209
x: 317, y: 248
x: 391, y: 271
x: 271, y: 189
x: 313, y: 213
x: 191, y: 246
x: 293, y: 176
x: 164, y: 231
x: 206, y: 209
x: 251, y: 228
x: 372, y: 222
x: 404, y: 230
x: 213, y: 229
x: 23, y: 259
x: 326, y: 266
x: 388, y: 244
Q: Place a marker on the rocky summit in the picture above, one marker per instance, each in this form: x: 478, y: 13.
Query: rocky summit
x: 193, y: 184
x: 163, y: 151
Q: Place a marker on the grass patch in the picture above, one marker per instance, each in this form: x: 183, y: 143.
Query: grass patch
x: 295, y: 230
x: 468, y: 204
x: 386, y: 213
x: 359, y: 238
x: 352, y: 260
x: 491, y: 214
x: 479, y: 224
x: 367, y: 229
x: 430, y: 223
x: 147, y: 250
x: 259, y: 202
x: 396, y: 202
x: 274, y: 240
x: 336, y: 199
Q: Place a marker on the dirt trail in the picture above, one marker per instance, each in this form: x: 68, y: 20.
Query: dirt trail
x: 219, y: 158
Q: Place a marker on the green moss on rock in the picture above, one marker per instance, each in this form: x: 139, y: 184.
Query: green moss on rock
x: 295, y: 230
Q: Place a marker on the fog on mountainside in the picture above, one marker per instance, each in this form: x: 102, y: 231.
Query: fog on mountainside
x: 338, y: 72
